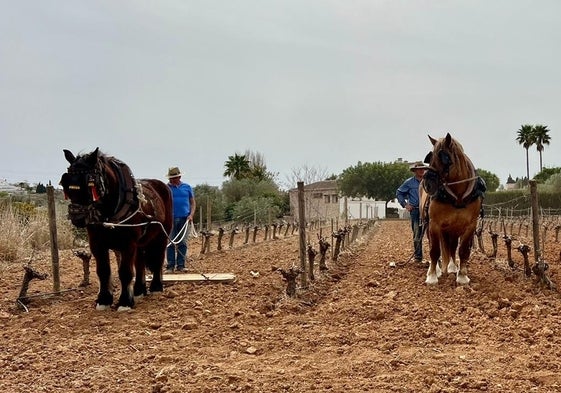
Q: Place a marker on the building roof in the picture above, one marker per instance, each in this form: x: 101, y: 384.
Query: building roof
x: 320, y: 185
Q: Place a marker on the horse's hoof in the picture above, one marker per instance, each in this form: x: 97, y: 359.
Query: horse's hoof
x: 123, y: 308
x: 432, y: 279
x: 462, y: 279
x: 102, y: 307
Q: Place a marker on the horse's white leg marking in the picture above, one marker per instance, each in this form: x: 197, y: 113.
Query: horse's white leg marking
x: 432, y: 279
x: 102, y: 307
x: 122, y: 308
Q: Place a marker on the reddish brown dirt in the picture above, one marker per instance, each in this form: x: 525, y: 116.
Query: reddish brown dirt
x: 364, y: 326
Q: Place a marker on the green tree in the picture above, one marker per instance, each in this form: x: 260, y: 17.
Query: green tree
x: 237, y: 167
x: 376, y: 180
x: 40, y: 189
x: 212, y: 196
x: 525, y: 137
x: 491, y: 180
x: 541, y: 138
x: 250, y: 189
x: 546, y: 173
x: 554, y: 182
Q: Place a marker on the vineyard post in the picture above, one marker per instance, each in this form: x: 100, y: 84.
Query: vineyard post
x: 302, y: 233
x: 535, y: 219
x: 54, y: 239
x: 201, y: 219
x: 208, y: 214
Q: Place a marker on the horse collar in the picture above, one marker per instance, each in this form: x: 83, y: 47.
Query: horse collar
x: 128, y: 201
x: 442, y: 192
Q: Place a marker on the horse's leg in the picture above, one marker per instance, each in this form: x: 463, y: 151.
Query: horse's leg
x: 128, y: 257
x: 432, y: 274
x: 464, y: 253
x: 452, y: 267
x: 140, y: 274
x: 103, y: 269
x: 155, y: 255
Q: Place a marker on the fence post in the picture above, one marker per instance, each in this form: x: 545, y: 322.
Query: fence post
x: 535, y: 219
x: 302, y: 234
x: 54, y: 238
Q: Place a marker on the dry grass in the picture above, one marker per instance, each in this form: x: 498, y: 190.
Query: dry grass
x: 24, y: 229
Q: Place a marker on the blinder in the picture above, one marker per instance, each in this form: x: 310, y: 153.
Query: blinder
x: 445, y: 159
x: 431, y: 181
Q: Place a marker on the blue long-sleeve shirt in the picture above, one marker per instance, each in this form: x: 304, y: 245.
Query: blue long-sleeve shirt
x: 182, y: 195
x: 408, y: 192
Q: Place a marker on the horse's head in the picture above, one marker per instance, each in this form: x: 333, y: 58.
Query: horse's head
x: 445, y: 153
x: 84, y: 185
x: 441, y: 160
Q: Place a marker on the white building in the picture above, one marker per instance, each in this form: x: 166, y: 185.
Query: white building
x: 10, y: 189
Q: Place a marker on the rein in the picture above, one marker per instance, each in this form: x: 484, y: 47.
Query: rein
x: 461, y: 181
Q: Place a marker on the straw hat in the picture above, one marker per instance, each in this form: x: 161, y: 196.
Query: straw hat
x: 173, y: 172
x: 417, y: 165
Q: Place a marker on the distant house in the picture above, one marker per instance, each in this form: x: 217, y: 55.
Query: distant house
x: 510, y: 183
x: 321, y: 201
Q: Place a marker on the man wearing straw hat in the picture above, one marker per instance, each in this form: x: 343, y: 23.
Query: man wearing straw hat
x: 183, y: 209
x: 408, y: 197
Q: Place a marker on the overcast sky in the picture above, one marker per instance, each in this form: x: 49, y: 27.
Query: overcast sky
x: 321, y: 83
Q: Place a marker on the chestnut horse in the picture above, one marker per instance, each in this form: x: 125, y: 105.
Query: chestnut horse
x: 131, y: 217
x: 453, y: 196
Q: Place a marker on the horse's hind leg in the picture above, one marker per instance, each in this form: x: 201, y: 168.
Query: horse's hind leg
x: 126, y: 300
x: 139, y: 289
x: 464, y: 253
x: 155, y: 255
x: 452, y: 267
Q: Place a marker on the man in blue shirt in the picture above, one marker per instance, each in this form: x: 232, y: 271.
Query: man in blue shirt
x: 183, y: 209
x: 408, y: 197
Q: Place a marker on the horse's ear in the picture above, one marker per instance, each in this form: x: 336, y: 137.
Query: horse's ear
x: 448, y: 139
x: 428, y: 157
x: 69, y: 156
x: 432, y: 140
x: 93, y: 156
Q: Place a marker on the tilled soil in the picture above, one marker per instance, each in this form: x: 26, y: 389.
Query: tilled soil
x: 363, y: 326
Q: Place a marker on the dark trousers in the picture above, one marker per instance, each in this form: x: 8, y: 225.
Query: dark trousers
x: 417, y: 233
x: 176, y: 253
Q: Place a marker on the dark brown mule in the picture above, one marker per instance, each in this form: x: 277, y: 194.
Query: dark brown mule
x: 455, y: 195
x: 131, y: 217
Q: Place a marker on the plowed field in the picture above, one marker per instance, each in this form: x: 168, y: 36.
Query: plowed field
x: 364, y: 326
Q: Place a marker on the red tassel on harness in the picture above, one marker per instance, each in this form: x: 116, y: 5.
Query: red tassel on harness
x: 95, y: 195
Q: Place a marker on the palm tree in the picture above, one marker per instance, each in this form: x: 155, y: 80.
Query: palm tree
x: 237, y: 166
x: 541, y: 138
x: 526, y: 139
